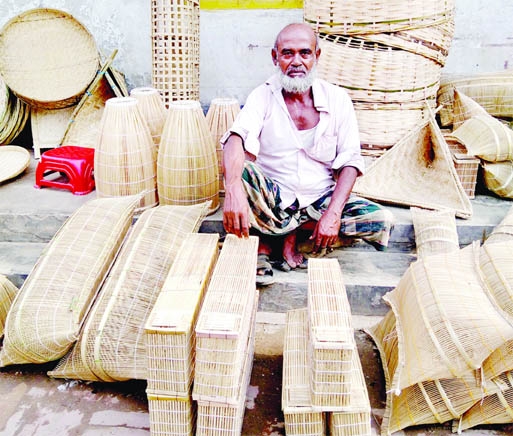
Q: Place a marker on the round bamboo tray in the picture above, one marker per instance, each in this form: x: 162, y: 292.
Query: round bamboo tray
x: 373, y: 72
x: 47, y: 58
x: 13, y: 114
x: 13, y: 161
x: 376, y: 16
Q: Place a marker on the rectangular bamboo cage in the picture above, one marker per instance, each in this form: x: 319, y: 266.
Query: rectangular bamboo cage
x: 171, y: 416
x: 170, y: 340
x: 332, y: 344
x: 466, y: 165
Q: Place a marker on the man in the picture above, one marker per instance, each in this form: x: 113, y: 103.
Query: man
x: 292, y: 156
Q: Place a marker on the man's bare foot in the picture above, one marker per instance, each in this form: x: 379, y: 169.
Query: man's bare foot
x: 291, y: 256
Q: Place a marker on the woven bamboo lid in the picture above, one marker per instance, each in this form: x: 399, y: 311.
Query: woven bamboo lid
x: 13, y: 161
x: 47, y: 58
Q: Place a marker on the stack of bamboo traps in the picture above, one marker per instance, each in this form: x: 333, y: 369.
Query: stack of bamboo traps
x: 388, y: 55
x: 187, y: 168
x: 175, y: 42
x: 225, y: 338
x: 125, y: 157
x: 170, y: 339
x: 220, y: 116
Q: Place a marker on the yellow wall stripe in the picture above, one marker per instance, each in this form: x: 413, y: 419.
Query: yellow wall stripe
x: 251, y: 4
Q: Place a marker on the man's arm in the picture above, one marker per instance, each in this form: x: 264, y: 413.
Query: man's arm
x: 236, y: 206
x: 327, y: 228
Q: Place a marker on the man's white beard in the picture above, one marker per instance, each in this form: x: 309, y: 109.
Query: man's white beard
x: 297, y: 85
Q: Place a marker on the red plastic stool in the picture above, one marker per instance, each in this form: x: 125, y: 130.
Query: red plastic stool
x: 74, y: 166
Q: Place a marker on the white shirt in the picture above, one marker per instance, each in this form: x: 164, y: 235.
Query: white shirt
x: 269, y: 133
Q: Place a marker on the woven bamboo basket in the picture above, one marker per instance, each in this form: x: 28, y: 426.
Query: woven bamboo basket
x: 372, y: 72
x: 377, y: 16
x: 493, y: 91
x: 220, y: 116
x: 435, y: 231
x: 171, y: 415
x: 13, y: 161
x: 225, y: 418
x: 47, y: 57
x: 111, y: 345
x: 125, y: 156
x: 14, y: 114
x: 332, y: 343
x: 224, y: 322
x: 486, y: 137
x: 170, y: 340
x: 498, y: 178
x: 48, y: 127
x: 419, y: 172
x: 153, y: 110
x: 503, y: 231
x: 48, y: 312
x: 8, y: 292
x: 382, y: 125
x: 175, y: 34
x: 296, y: 400
x: 187, y: 168
x: 446, y: 324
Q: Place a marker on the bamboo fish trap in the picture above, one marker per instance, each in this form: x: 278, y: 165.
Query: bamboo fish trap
x: 465, y: 108
x: 48, y: 312
x: 47, y: 57
x: 170, y: 340
x: 224, y: 322
x: 152, y: 109
x: 7, y: 293
x: 187, y: 168
x: 225, y: 418
x: 503, y: 231
x: 296, y: 400
x: 498, y: 178
x: 419, y: 172
x: 486, y: 137
x: 332, y: 343
x: 111, y: 346
x: 435, y: 231
x: 451, y: 324
x: 175, y: 36
x: 125, y: 156
x: 171, y: 416
x: 220, y: 116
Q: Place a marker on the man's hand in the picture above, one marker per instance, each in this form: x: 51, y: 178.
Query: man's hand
x: 326, y: 231
x: 236, y: 210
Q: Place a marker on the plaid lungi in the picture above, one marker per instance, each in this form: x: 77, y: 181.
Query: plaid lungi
x: 361, y: 218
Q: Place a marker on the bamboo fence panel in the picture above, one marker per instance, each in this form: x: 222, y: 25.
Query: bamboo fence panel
x: 152, y: 109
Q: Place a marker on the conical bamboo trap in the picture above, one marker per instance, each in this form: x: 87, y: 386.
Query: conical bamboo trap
x: 111, y: 345
x: 175, y: 35
x: 170, y: 340
x: 503, y: 231
x: 419, y: 172
x: 225, y: 321
x: 435, y: 231
x: 125, y: 156
x: 332, y: 343
x: 152, y: 109
x: 48, y: 312
x: 171, y: 416
x: 47, y: 57
x: 446, y: 324
x: 486, y: 137
x: 220, y: 116
x: 187, y: 168
x: 464, y: 108
x: 493, y: 91
x: 7, y: 293
x: 498, y: 177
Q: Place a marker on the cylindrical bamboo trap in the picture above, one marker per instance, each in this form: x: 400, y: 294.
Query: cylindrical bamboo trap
x: 187, y: 168
x: 125, y: 157
x: 175, y: 43
x: 47, y: 57
x: 153, y: 110
x: 498, y: 177
x: 220, y: 116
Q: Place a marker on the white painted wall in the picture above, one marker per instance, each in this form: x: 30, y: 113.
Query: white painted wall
x: 236, y: 44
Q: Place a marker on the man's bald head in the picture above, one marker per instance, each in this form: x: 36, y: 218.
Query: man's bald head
x: 296, y: 30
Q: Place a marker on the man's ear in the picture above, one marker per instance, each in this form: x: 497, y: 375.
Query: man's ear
x: 274, y: 56
x: 317, y: 53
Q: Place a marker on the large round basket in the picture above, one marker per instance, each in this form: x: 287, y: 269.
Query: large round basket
x: 13, y: 161
x: 47, y: 58
x: 187, y: 171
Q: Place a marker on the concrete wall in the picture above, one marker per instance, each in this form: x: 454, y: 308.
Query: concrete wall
x: 236, y: 44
